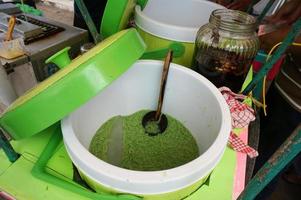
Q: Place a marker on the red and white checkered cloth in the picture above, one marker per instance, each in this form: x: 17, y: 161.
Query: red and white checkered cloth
x: 238, y: 145
x: 242, y: 115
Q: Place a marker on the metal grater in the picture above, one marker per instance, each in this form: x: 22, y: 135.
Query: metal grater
x: 47, y: 28
x: 23, y: 28
x: 29, y: 27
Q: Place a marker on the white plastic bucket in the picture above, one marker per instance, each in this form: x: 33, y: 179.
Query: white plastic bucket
x: 189, y: 97
x: 163, y: 22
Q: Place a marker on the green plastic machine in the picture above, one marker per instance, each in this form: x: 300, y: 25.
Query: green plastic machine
x: 34, y: 164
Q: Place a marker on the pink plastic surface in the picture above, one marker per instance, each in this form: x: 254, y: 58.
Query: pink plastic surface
x: 240, y: 171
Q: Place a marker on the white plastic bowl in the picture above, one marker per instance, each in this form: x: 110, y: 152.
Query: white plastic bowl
x: 189, y: 97
x: 177, y: 20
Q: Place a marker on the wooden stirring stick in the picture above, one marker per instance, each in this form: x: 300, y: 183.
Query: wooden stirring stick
x: 167, y: 62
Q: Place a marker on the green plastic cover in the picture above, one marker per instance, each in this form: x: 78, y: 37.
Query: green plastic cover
x: 72, y: 86
x: 117, y: 15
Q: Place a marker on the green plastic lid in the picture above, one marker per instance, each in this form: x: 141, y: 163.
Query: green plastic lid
x: 117, y: 15
x: 72, y: 86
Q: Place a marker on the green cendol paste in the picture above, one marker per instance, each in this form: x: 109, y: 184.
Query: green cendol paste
x: 174, y: 147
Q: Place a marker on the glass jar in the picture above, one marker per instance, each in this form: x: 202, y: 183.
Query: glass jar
x: 225, y: 48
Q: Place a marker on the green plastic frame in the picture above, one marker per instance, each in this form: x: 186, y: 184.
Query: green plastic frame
x: 289, y: 39
x: 39, y: 172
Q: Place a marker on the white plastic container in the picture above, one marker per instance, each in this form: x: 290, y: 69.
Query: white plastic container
x: 165, y: 22
x: 189, y: 97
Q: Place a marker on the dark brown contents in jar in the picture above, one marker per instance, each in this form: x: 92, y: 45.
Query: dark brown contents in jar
x: 222, y: 68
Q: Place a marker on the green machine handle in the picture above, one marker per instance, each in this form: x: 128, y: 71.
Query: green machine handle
x: 88, y: 19
x: 264, y: 12
x: 278, y: 161
x: 11, y: 154
x: 39, y: 172
x: 61, y: 58
x: 295, y: 30
x: 177, y: 48
x: 250, y: 7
